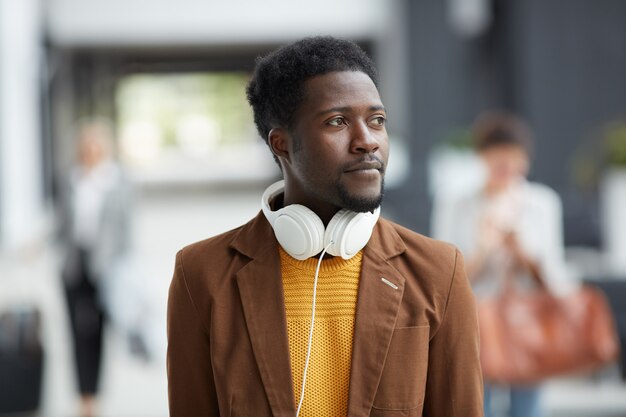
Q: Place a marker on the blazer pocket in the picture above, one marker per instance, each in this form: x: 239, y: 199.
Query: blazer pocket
x: 403, y: 382
x: 390, y: 413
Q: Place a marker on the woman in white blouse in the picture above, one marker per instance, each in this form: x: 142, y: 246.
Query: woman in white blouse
x: 95, y: 229
x: 509, y: 224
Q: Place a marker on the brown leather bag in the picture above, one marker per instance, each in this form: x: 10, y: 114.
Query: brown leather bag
x: 529, y: 337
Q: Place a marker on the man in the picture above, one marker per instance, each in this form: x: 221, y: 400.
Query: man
x: 384, y: 327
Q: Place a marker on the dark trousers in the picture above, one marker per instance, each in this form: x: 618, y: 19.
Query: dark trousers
x: 86, y: 319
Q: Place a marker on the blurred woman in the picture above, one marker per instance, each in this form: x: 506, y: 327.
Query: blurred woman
x: 95, y: 230
x: 507, y: 228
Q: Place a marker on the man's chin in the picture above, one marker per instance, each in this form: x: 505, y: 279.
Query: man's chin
x: 360, y: 203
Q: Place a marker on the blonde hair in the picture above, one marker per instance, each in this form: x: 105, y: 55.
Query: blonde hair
x: 98, y: 130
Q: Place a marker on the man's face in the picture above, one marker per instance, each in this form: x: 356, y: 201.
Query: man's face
x: 339, y: 143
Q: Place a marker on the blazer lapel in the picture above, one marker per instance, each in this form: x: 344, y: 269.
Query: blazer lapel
x: 261, y: 292
x: 380, y: 293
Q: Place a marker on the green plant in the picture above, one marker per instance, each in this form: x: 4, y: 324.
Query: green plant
x: 604, y: 148
x: 457, y: 137
x: 615, y: 144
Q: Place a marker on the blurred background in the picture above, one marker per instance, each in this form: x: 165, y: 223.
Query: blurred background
x: 170, y: 76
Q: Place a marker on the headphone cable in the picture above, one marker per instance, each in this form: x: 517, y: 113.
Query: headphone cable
x: 308, y: 351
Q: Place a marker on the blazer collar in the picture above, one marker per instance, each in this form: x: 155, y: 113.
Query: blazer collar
x: 261, y: 291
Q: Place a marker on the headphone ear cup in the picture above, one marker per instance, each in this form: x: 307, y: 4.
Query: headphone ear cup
x: 299, y: 231
x: 349, y: 231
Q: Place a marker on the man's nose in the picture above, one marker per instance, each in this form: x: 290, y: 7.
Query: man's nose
x: 364, y: 140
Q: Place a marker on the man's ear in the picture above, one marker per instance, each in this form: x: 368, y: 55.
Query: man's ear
x: 278, y: 140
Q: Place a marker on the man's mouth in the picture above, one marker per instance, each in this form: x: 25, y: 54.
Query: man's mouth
x: 366, y: 166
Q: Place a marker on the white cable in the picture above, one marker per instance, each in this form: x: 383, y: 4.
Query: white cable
x: 308, y: 350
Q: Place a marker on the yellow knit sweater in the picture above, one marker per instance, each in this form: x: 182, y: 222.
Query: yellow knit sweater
x: 328, y: 376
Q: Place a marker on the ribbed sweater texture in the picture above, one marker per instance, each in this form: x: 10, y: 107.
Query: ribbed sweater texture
x: 328, y: 376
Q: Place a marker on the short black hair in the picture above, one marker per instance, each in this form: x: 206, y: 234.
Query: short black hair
x: 276, y: 88
x: 499, y: 127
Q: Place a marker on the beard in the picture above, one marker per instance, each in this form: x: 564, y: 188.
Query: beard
x: 357, y: 203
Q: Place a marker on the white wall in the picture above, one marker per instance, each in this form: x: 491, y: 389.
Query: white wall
x: 21, y: 195
x: 120, y: 22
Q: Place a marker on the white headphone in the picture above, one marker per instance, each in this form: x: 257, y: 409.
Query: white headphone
x: 301, y: 232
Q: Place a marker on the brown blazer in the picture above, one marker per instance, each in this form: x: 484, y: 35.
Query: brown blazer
x: 415, y: 349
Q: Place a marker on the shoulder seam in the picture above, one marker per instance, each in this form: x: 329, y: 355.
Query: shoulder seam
x: 445, y: 309
x: 191, y: 300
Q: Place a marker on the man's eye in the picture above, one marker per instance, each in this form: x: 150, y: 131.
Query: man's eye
x: 338, y: 121
x: 378, y: 121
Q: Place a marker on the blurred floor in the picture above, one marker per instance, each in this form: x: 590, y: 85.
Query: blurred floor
x: 165, y: 222
x: 601, y: 395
